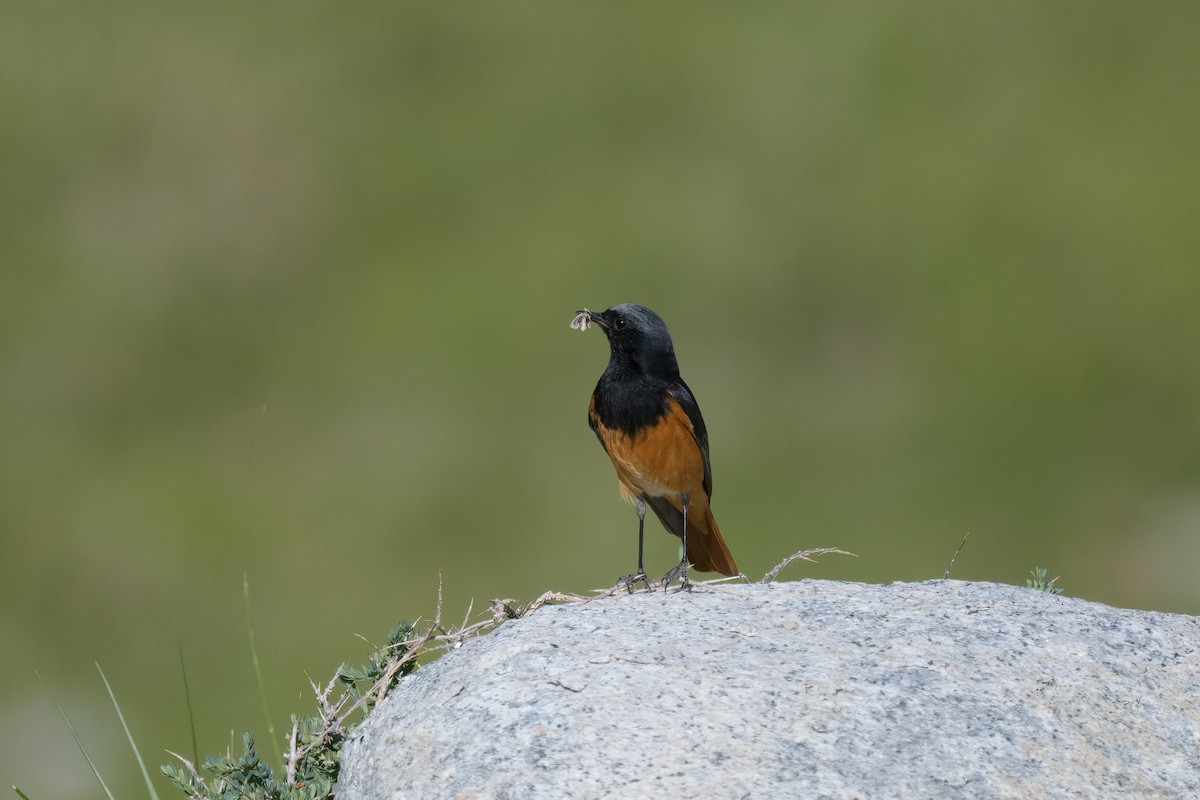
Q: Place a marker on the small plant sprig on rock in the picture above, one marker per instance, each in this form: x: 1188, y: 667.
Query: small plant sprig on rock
x: 1038, y: 581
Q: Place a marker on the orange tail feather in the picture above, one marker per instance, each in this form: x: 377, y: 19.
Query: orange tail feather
x: 706, y: 550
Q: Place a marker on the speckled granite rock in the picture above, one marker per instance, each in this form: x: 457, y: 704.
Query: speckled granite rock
x: 810, y: 689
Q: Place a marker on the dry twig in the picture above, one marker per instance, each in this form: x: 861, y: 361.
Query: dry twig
x: 953, y: 558
x: 804, y: 555
x: 293, y: 758
x: 190, y: 766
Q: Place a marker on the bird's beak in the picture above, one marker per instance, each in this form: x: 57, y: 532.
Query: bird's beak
x: 583, y: 318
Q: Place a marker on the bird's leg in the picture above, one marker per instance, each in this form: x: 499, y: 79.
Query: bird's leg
x: 640, y: 505
x: 629, y: 580
x: 681, y: 569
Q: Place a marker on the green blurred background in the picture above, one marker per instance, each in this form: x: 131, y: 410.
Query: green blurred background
x: 285, y: 291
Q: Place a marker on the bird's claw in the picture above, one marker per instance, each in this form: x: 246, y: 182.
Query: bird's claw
x: 628, y: 581
x: 679, y: 572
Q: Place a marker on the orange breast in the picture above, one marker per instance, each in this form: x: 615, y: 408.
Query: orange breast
x: 662, y: 460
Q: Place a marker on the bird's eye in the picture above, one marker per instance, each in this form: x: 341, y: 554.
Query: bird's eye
x: 620, y: 323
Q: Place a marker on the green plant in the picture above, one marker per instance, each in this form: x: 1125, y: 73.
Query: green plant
x: 311, y: 763
x: 1038, y: 581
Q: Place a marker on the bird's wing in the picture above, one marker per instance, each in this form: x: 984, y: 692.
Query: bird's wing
x: 687, y: 401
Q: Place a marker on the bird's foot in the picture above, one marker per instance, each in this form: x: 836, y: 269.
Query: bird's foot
x: 680, y: 572
x: 628, y: 582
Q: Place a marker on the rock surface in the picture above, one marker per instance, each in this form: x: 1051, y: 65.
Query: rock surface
x: 810, y: 689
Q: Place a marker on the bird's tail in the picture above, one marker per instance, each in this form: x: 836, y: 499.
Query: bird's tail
x: 706, y: 550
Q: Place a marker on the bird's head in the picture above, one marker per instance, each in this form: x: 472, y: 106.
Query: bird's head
x: 637, y: 337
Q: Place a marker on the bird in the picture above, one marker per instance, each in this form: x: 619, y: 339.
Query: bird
x: 649, y: 424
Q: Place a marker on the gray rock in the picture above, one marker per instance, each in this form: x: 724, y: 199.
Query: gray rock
x: 809, y: 689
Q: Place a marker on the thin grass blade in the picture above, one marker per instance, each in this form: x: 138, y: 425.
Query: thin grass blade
x: 137, y: 754
x: 78, y: 742
x: 262, y: 687
x: 187, y: 697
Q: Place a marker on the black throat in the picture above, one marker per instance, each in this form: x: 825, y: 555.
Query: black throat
x: 629, y: 398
